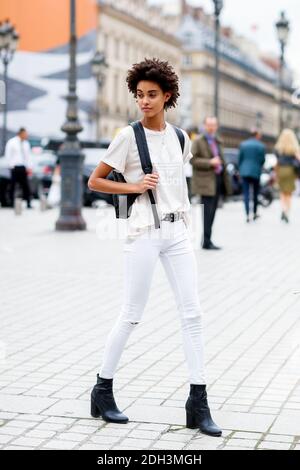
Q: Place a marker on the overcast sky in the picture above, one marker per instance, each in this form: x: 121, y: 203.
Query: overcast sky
x: 243, y: 15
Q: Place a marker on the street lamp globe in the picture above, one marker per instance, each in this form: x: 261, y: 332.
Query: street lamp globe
x: 7, y: 34
x: 218, y: 6
x: 9, y: 39
x: 14, y: 41
x: 283, y: 28
x: 2, y: 35
x: 98, y: 62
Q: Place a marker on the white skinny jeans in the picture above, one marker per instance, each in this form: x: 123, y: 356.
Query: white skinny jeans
x: 170, y: 243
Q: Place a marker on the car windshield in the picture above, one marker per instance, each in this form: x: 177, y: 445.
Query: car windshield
x: 93, y: 156
x: 43, y: 159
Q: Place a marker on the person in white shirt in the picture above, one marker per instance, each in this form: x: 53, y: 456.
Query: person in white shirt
x: 17, y: 153
x: 154, y: 84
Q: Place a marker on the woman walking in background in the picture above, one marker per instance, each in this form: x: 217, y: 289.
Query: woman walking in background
x: 288, y: 161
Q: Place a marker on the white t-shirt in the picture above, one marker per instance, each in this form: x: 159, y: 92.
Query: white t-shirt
x: 17, y: 152
x: 168, y: 161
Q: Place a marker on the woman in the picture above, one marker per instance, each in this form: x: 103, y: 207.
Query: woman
x: 154, y: 84
x: 288, y: 156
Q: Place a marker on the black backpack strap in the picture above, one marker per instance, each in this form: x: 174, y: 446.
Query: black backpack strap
x: 180, y: 137
x: 146, y: 163
x: 142, y: 146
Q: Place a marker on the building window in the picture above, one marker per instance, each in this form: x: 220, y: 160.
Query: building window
x: 187, y: 59
x: 126, y: 51
x: 104, y: 45
x: 116, y: 92
x: 117, y: 48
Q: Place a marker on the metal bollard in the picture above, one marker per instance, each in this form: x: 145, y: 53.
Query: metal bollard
x: 43, y: 202
x: 18, y: 205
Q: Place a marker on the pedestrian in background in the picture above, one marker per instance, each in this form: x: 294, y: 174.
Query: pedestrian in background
x: 287, y: 168
x: 54, y: 194
x: 188, y: 169
x: 210, y: 178
x: 17, y: 153
x: 251, y: 160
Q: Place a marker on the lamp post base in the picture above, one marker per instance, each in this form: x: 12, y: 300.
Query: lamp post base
x: 70, y: 217
x: 70, y: 222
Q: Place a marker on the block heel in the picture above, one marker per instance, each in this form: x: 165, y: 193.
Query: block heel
x: 190, y: 420
x: 94, y: 410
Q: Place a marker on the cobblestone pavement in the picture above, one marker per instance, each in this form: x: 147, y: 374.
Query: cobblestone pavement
x: 61, y: 293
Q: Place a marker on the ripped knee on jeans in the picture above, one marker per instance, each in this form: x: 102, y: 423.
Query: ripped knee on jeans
x: 195, y: 317
x: 130, y: 316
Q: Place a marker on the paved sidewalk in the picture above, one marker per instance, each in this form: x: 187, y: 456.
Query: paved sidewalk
x: 60, y: 296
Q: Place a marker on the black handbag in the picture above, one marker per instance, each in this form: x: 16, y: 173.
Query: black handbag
x: 123, y: 202
x: 296, y: 164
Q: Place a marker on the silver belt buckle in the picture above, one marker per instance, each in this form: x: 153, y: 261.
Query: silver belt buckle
x: 172, y: 216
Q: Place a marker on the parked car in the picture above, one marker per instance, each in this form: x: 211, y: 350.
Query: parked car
x: 92, y: 151
x: 41, y: 171
x: 231, y: 157
x: 5, y: 199
x: 53, y: 144
x: 39, y: 176
x: 91, y: 160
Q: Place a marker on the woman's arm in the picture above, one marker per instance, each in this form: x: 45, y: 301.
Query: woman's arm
x: 98, y: 182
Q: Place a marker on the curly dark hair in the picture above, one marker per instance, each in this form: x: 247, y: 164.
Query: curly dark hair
x: 157, y: 71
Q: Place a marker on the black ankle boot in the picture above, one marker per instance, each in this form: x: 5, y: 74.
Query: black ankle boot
x: 198, y: 412
x: 103, y: 402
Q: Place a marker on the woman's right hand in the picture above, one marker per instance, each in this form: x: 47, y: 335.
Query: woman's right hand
x: 215, y: 161
x: 149, y: 182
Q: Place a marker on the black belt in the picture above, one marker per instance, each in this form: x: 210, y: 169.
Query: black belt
x: 173, y: 216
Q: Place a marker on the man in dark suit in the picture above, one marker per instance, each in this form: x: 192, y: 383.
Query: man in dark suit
x: 18, y: 155
x: 210, y: 178
x: 251, y: 160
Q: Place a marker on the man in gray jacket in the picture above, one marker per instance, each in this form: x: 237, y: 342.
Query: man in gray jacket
x: 210, y: 178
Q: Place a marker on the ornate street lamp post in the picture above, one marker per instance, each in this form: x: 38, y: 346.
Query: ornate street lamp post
x: 9, y: 40
x: 282, y: 27
x: 98, y: 64
x: 70, y: 155
x: 218, y: 8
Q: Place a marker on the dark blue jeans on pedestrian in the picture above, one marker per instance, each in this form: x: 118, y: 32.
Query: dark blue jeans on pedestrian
x: 253, y: 183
